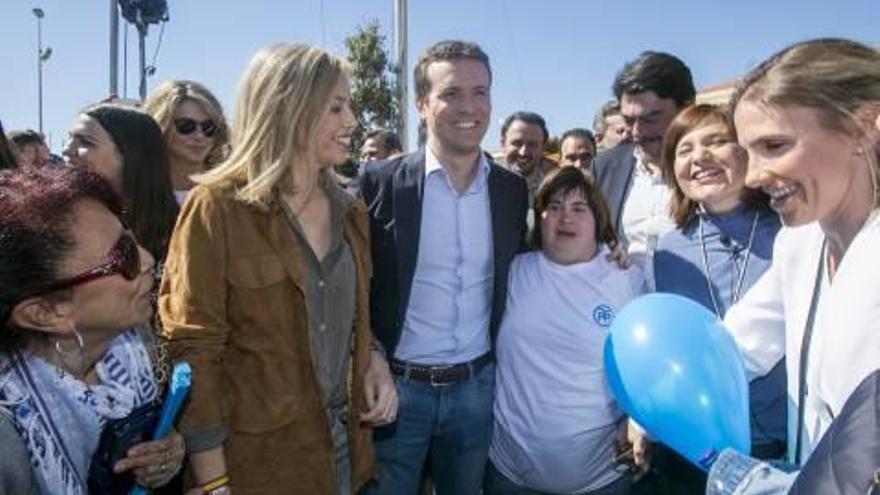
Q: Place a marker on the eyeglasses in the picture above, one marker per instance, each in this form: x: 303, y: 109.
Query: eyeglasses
x: 124, y: 259
x: 186, y: 126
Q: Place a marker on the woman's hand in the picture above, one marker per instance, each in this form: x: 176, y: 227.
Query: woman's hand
x: 154, y: 463
x: 380, y: 392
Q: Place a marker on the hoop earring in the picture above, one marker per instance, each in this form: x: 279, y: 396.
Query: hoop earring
x: 71, y: 359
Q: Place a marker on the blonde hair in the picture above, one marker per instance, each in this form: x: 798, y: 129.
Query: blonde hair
x: 282, y: 98
x: 834, y: 77
x: 168, y: 96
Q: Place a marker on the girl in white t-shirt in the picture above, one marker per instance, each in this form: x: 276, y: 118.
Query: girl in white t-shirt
x: 555, y: 419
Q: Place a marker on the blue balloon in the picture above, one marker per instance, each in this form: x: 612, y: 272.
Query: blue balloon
x: 676, y: 371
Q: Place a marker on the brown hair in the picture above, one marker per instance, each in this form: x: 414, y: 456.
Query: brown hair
x: 835, y: 77
x: 446, y: 50
x: 681, y: 207
x: 564, y: 181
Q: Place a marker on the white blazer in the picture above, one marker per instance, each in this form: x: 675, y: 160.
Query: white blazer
x: 768, y: 323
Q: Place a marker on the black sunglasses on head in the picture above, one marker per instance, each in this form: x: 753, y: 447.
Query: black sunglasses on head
x: 186, y: 126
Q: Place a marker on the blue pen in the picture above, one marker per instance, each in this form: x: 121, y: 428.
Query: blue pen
x: 181, y: 379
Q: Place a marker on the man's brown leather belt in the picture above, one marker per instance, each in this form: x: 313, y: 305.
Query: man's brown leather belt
x: 439, y: 375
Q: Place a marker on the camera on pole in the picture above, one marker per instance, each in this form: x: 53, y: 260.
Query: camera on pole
x: 142, y: 13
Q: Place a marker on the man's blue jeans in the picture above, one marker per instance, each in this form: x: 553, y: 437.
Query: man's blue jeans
x: 453, y: 421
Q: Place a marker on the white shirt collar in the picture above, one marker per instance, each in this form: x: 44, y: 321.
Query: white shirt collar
x: 642, y: 170
x: 432, y: 165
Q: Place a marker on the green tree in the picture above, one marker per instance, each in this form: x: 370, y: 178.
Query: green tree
x: 552, y: 145
x: 373, y: 83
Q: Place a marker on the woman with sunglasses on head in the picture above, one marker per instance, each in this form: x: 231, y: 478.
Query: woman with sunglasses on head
x: 722, y: 244
x: 194, y: 127
x: 74, y: 289
x: 809, y: 118
x: 125, y: 145
x: 555, y: 422
x: 265, y: 294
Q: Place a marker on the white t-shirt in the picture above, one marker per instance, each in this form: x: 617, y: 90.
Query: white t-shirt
x: 768, y: 324
x: 180, y: 195
x: 554, y: 413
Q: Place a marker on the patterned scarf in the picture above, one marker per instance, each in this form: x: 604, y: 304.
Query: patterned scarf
x: 60, y: 418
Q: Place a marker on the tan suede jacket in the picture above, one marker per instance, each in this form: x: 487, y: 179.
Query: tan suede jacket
x: 232, y: 303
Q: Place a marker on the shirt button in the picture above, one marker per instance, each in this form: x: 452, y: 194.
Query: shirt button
x: 321, y: 284
x: 322, y: 327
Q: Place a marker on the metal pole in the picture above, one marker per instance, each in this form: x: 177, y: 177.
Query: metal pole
x: 114, y: 49
x: 42, y: 56
x: 142, y: 35
x: 400, y: 40
x: 40, y: 71
x: 125, y: 61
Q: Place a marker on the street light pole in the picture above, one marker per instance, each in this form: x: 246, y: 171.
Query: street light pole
x: 400, y: 41
x: 114, y: 49
x: 38, y: 13
x: 142, y: 46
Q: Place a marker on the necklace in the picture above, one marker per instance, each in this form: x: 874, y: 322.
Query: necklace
x: 741, y: 275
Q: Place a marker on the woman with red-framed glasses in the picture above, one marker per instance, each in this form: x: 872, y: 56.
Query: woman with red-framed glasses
x: 74, y: 295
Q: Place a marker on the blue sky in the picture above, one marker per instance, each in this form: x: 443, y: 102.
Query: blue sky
x: 556, y: 57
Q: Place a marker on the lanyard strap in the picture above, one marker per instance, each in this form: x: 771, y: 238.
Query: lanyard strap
x: 740, y: 275
x: 805, y: 351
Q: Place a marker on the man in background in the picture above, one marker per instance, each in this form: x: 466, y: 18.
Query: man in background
x: 379, y: 145
x: 30, y: 148
x: 523, y: 136
x: 651, y: 90
x: 577, y: 148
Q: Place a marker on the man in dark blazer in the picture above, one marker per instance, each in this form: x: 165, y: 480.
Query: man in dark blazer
x: 613, y: 170
x: 651, y: 90
x: 445, y: 223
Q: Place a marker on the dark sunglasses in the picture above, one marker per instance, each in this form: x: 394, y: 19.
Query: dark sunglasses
x: 186, y: 126
x: 124, y: 259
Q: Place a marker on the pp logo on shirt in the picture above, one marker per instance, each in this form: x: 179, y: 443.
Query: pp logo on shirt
x: 603, y: 315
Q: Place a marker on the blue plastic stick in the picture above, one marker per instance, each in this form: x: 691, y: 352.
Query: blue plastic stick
x: 181, y: 379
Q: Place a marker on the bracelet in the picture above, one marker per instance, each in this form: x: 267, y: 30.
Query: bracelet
x: 211, y: 487
x: 220, y: 490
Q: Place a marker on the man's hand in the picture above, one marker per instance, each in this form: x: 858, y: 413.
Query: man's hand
x: 619, y: 254
x: 380, y: 392
x: 641, y: 445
